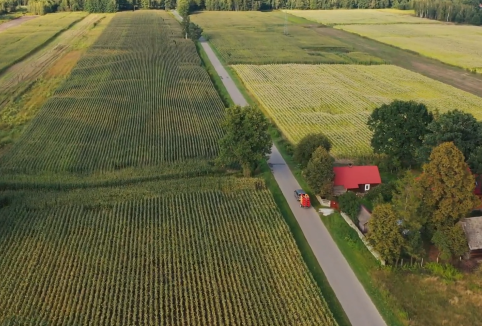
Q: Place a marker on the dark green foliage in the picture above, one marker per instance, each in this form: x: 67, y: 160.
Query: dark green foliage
x: 350, y: 204
x: 381, y: 194
x: 307, y: 145
x: 384, y: 233
x: 293, y: 4
x: 475, y: 161
x: 246, y: 141
x: 182, y: 8
x: 450, y: 241
x: 7, y: 6
x: 191, y: 30
x: 398, y: 130
x: 454, y: 126
x: 100, y: 5
x: 467, y: 12
x: 319, y: 173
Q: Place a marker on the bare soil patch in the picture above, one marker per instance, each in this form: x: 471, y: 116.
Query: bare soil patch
x: 431, y: 68
x: 63, y: 66
x: 15, y: 22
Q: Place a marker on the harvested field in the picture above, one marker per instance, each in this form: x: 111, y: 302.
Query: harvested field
x: 456, y: 45
x: 337, y: 99
x: 19, y: 41
x: 14, y: 22
x: 361, y: 16
x: 259, y: 38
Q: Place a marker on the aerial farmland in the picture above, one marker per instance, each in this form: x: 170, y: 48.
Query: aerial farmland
x: 115, y: 209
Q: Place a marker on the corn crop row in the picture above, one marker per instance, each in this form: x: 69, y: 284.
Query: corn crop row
x: 138, y: 98
x: 211, y: 257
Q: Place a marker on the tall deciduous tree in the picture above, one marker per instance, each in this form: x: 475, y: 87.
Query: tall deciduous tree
x: 398, y: 129
x: 447, y: 186
x: 246, y: 141
x: 384, y: 233
x: 319, y: 172
x: 307, y: 146
x: 182, y: 8
x: 407, y: 201
x: 454, y: 126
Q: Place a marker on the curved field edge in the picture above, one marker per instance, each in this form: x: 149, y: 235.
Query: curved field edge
x: 40, y: 46
x: 230, y: 238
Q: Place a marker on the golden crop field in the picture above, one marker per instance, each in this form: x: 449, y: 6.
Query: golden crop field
x: 337, y: 99
x: 361, y: 16
x: 19, y: 41
x: 203, y: 251
x: 456, y: 45
x: 258, y: 38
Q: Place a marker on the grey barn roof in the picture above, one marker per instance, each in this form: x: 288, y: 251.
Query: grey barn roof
x: 473, y: 231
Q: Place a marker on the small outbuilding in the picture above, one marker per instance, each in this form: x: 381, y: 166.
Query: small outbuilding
x: 363, y: 218
x: 473, y: 232
x: 355, y: 178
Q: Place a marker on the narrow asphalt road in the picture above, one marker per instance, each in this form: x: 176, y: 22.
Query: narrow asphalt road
x: 355, y: 301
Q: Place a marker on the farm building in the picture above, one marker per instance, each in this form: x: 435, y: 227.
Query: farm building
x: 473, y: 231
x: 363, y: 218
x: 355, y: 178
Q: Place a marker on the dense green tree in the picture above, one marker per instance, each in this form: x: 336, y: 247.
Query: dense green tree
x: 454, y: 126
x: 350, y: 204
x: 475, y: 160
x: 398, y: 129
x: 407, y: 202
x: 449, y: 10
x: 182, y: 7
x: 319, y: 173
x: 447, y: 186
x: 381, y: 194
x: 307, y: 145
x: 246, y: 141
x: 450, y: 241
x: 384, y: 233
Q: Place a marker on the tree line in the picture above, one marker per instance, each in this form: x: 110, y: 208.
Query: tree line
x: 457, y: 11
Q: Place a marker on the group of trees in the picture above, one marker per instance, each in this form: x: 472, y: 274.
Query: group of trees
x: 7, y: 6
x: 406, y: 132
x: 243, y: 5
x: 458, y: 11
x: 428, y: 206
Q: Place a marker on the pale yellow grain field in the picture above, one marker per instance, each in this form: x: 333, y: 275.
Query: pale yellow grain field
x: 361, y: 16
x: 453, y: 44
x: 337, y: 99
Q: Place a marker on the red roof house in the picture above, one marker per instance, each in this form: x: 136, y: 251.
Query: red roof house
x: 355, y: 178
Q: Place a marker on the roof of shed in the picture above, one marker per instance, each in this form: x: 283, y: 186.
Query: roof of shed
x: 473, y: 231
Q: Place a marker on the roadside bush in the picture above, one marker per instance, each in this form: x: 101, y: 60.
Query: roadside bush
x: 306, y: 147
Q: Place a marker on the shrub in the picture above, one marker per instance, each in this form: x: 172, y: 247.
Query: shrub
x: 350, y: 204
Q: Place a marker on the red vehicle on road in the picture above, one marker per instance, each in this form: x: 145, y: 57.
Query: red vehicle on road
x: 303, y: 198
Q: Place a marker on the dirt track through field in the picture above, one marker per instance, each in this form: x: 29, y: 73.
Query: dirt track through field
x: 15, y: 22
x: 431, y: 68
x: 35, y: 65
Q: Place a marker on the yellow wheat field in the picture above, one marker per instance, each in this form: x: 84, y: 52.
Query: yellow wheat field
x: 337, y: 99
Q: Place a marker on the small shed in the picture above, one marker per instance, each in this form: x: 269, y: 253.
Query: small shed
x: 473, y: 232
x: 363, y: 218
x: 355, y: 178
